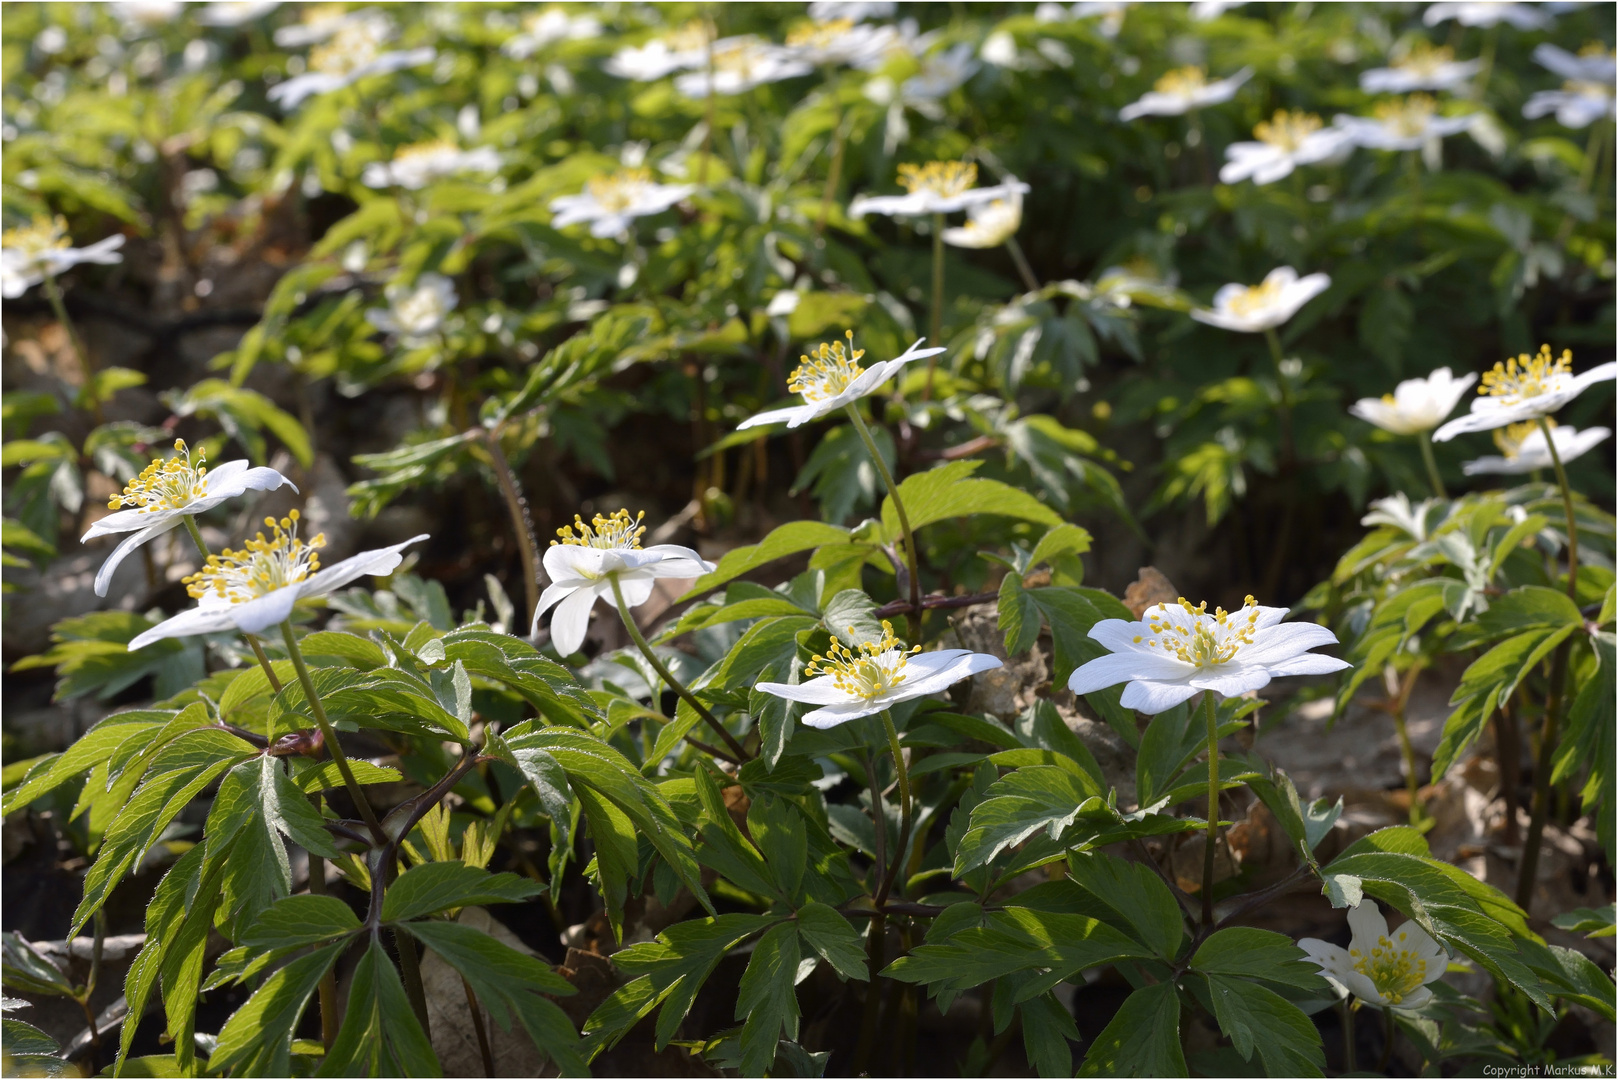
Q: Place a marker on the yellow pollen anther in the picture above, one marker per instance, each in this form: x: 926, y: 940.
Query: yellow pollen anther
x: 619, y: 191
x: 356, y: 43
x: 1424, y: 59
x: 870, y: 672
x: 617, y: 530
x: 1256, y: 298
x: 819, y: 35
x: 1182, y: 82
x: 827, y: 371
x: 945, y: 179
x: 1395, y: 972
x: 261, y: 566
x: 1287, y: 129
x: 1211, y: 639
x: 44, y: 234
x: 166, y: 485
x: 1408, y: 116
x: 1511, y: 437
x: 1524, y: 376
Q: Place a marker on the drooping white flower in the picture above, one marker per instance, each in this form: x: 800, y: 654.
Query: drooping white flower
x: 831, y: 377
x: 31, y: 253
x: 1409, y: 123
x: 167, y: 491
x: 941, y: 74
x: 853, y: 10
x: 1525, y: 388
x: 1594, y: 63
x: 415, y: 312
x: 1380, y: 967
x: 611, y: 202
x: 253, y: 589
x: 584, y: 561
x: 354, y: 52
x: 415, y: 166
x: 545, y: 28
x: 1253, y: 309
x: 1578, y: 104
x: 317, y: 22
x: 1422, y: 68
x: 1183, y: 90
x: 938, y: 187
x: 1489, y: 13
x: 742, y: 64
x: 1175, y: 650
x: 829, y: 42
x: 1524, y: 449
x: 1416, y: 404
x: 235, y: 12
x: 990, y: 224
x: 1286, y: 141
x: 684, y: 48
x: 848, y: 683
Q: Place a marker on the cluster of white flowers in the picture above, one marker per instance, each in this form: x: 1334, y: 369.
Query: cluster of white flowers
x: 31, y: 253
x: 352, y: 48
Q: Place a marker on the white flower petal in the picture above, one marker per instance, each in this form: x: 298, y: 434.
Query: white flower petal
x: 934, y: 672
x: 818, y: 691
x: 1155, y: 697
x: 263, y: 612
x: 210, y: 619
x: 379, y: 562
x: 571, y: 621
x: 554, y: 594
x: 1308, y: 664
x: 123, y: 550
x: 832, y: 715
x: 1366, y: 923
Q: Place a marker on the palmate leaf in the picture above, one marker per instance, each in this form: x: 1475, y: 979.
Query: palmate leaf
x: 787, y: 540
x: 380, y: 1035
x: 950, y: 491
x: 1015, y: 940
x: 91, y: 655
x: 257, y: 1039
x: 1249, y: 953
x: 766, y: 1000
x: 1142, y: 1039
x: 1257, y: 1020
x: 440, y: 886
x: 1137, y: 895
x: 1039, y: 798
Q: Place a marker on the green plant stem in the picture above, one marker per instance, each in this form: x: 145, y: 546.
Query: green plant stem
x: 1528, y: 870
x: 1408, y: 752
x: 1567, y: 509
x: 335, y: 748
x: 834, y: 174
x: 1387, y: 1040
x: 879, y: 818
x: 898, y: 507
x: 1210, y: 708
x: 904, y: 810
x: 410, y: 968
x: 936, y: 327
x: 480, y: 1028
x: 1346, y: 1012
x: 328, y: 981
x: 196, y: 536
x: 668, y: 677
x: 1027, y: 271
x: 53, y: 294
x: 517, y: 506
x: 1426, y: 443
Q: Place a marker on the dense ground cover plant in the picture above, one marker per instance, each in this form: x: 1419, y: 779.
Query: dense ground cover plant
x: 509, y: 245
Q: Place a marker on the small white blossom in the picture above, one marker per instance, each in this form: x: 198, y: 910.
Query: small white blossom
x: 1592, y: 64
x: 1110, y: 12
x: 414, y: 167
x: 684, y: 48
x: 938, y: 187
x: 1175, y: 650
x: 415, y: 312
x: 1286, y: 141
x: 1581, y: 101
x: 1486, y: 13
x: 1422, y: 68
x: 1255, y: 308
x: 255, y: 588
x: 354, y: 52
x: 1183, y: 90
x: 1524, y: 450
x: 853, y: 10
x: 610, y: 203
x: 1208, y: 10
x: 235, y: 12
x: 141, y: 15
x: 1416, y: 404
x: 831, y: 377
x: 850, y: 683
x: 1380, y: 967
x: 941, y: 75
x: 584, y: 563
x: 317, y: 22
x: 31, y: 253
x: 741, y: 65
x: 842, y: 41
x: 990, y: 224
x: 545, y: 28
x: 1409, y: 123
x: 1525, y: 388
x: 167, y: 491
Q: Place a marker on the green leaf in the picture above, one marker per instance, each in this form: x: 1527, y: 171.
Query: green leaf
x: 1488, y: 682
x: 848, y: 618
x: 1019, y: 615
x: 257, y: 1039
x: 29, y: 972
x: 1015, y: 940
x: 301, y: 920
x: 1063, y: 540
x: 1039, y: 798
x: 1047, y: 1029
x: 1591, y: 922
x: 1256, y: 1019
x: 434, y: 887
x: 380, y: 1035
x: 766, y: 1000
x: 1250, y: 953
x: 789, y: 539
x: 1142, y: 1039
x: 1138, y: 897
x: 950, y: 491
x: 828, y: 933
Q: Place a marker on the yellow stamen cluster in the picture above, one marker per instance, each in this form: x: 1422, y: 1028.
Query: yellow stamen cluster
x: 1394, y: 971
x: 356, y: 43
x: 1425, y: 59
x: 427, y: 149
x: 692, y: 36
x: 617, y: 530
x: 1408, y: 116
x: 1255, y: 298
x: 166, y: 485
x: 945, y: 179
x: 1511, y: 437
x: 43, y: 234
x: 1525, y: 376
x: 1200, y: 644
x: 870, y: 672
x: 261, y: 566
x: 818, y: 35
x: 1287, y: 129
x: 827, y: 371
x: 1182, y: 82
x: 620, y: 190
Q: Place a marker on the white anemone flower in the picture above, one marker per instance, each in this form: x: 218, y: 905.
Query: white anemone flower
x: 415, y: 313
x: 842, y: 41
x: 165, y: 492
x: 1286, y: 141
x: 354, y: 52
x: 990, y: 224
x: 1422, y: 68
x: 415, y: 166
x: 853, y: 10
x: 1576, y: 105
x: 851, y: 683
x: 586, y: 560
x: 141, y: 15
x: 1183, y: 90
x: 938, y: 187
x: 545, y: 28
x: 610, y: 203
x: 235, y: 12
x: 941, y: 74
x: 1416, y: 405
x: 316, y: 23
x: 1410, y: 123
x: 1380, y: 966
x: 1592, y: 64
x: 1525, y: 388
x: 1487, y: 13
x: 831, y: 377
x: 1524, y: 449
x: 255, y: 588
x: 1208, y: 10
x: 684, y: 48
x: 1175, y: 650
x: 1252, y: 309
x: 1110, y: 12
x: 31, y: 253
x: 741, y: 65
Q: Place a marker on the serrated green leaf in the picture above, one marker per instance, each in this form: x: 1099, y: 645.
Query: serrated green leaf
x: 434, y: 887
x: 1142, y: 1039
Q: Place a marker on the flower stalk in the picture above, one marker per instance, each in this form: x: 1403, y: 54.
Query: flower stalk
x: 517, y: 506
x: 904, y: 810
x: 1210, y: 709
x: 898, y: 506
x: 1425, y: 441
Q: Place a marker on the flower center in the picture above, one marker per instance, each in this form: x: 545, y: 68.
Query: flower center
x: 1182, y: 82
x: 355, y: 44
x: 261, y: 567
x: 870, y: 672
x: 691, y: 37
x: 1287, y: 129
x: 1510, y: 438
x: 423, y: 309
x: 621, y: 190
x: 819, y: 35
x: 43, y: 235
x: 945, y: 179
x: 1587, y: 88
x: 1211, y: 640
x: 1256, y: 298
x: 1524, y: 376
x: 1394, y: 971
x: 166, y: 485
x: 1424, y: 59
x: 618, y: 530
x: 1407, y: 117
x: 426, y: 151
x: 827, y: 371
